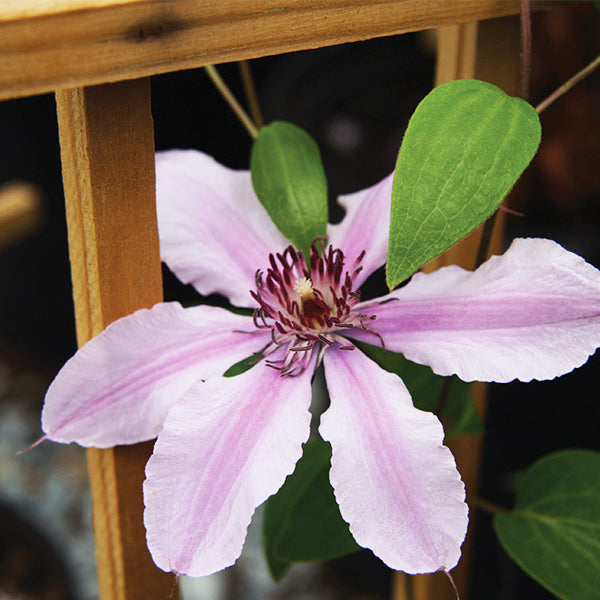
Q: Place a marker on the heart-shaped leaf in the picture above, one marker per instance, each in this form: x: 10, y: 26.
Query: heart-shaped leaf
x: 553, y: 534
x: 302, y: 521
x: 465, y: 146
x: 289, y: 180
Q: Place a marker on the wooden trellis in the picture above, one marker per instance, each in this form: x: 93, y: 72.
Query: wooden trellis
x: 97, y: 56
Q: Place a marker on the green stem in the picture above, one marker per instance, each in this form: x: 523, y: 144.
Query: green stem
x: 485, y: 505
x: 250, y: 90
x: 231, y: 100
x: 565, y: 87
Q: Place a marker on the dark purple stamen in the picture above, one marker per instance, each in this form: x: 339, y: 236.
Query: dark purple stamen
x: 307, y: 310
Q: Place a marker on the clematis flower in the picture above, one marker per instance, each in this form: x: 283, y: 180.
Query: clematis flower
x: 225, y: 444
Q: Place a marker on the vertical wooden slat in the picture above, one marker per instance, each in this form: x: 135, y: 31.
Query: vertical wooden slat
x: 456, y: 52
x: 487, y: 50
x: 107, y: 150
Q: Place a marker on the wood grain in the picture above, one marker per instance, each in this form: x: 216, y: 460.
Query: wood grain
x: 107, y: 151
x: 48, y: 45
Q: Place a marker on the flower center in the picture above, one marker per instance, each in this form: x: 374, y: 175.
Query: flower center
x: 304, y: 288
x: 306, y: 309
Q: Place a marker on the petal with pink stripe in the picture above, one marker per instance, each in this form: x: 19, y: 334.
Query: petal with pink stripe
x: 214, y: 232
x: 366, y: 226
x: 118, y: 388
x: 532, y: 313
x: 225, y: 448
x: 396, y: 484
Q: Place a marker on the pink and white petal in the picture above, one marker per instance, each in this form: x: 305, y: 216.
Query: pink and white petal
x: 225, y: 448
x: 366, y: 226
x: 396, y: 484
x: 532, y: 313
x: 118, y: 388
x: 214, y: 233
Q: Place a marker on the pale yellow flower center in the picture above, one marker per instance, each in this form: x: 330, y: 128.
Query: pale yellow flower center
x: 304, y: 288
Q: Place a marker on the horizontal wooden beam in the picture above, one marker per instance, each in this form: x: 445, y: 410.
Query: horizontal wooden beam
x: 46, y: 45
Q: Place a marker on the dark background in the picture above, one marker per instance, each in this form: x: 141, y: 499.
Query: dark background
x: 355, y: 100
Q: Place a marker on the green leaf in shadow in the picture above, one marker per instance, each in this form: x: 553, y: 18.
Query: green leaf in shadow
x: 459, y: 411
x: 553, y: 533
x: 302, y: 522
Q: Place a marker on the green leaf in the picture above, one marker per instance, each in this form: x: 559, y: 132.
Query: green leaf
x: 466, y: 144
x: 288, y: 178
x: 553, y: 534
x: 459, y: 411
x: 302, y: 521
x: 277, y: 567
x: 243, y: 365
x: 596, y: 3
